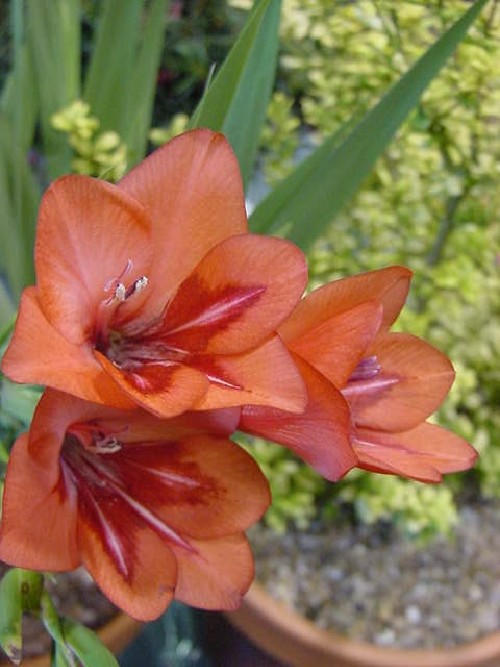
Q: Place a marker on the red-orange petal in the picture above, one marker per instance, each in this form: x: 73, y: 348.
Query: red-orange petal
x: 38, y: 527
x: 165, y: 391
x: 336, y: 346
x: 388, y: 286
x: 414, y: 380
x: 236, y: 297
x: 57, y: 411
x: 40, y: 355
x: 143, y: 425
x: 320, y: 435
x: 265, y: 376
x: 142, y: 583
x: 192, y: 190
x: 217, y: 574
x: 424, y: 453
x: 203, y: 487
x: 88, y: 232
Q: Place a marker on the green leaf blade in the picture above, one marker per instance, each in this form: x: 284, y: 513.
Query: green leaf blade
x: 306, y: 202
x: 86, y: 645
x: 20, y: 590
x: 56, y: 66
x: 143, y: 82
x: 120, y: 85
x: 236, y: 102
x: 112, y: 61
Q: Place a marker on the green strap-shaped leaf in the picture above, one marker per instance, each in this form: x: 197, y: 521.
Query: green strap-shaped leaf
x: 73, y: 639
x: 120, y: 85
x: 20, y: 590
x: 20, y: 195
x: 305, y: 203
x: 143, y: 82
x: 118, y: 32
x: 7, y: 307
x: 19, y: 400
x: 19, y: 100
x: 61, y: 654
x: 53, y: 35
x: 86, y: 645
x: 236, y: 102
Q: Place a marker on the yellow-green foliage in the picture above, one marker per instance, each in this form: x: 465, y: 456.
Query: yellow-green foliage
x: 418, y: 510
x: 160, y: 135
x: 432, y: 202
x: 280, y: 135
x: 294, y: 487
x: 101, y: 154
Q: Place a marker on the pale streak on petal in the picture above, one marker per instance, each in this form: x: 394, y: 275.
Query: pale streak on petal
x: 218, y: 311
x: 153, y: 522
x: 362, y: 387
x: 165, y: 476
x: 113, y: 542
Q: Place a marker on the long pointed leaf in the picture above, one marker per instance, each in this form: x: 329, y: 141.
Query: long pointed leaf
x: 19, y: 197
x: 120, y: 86
x: 19, y: 100
x: 237, y: 100
x: 112, y: 61
x: 53, y: 624
x: 306, y: 202
x: 7, y: 307
x: 20, y: 590
x: 86, y: 645
x: 143, y: 81
x: 53, y: 32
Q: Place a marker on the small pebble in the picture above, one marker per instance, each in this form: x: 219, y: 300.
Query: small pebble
x: 413, y: 614
x: 390, y: 591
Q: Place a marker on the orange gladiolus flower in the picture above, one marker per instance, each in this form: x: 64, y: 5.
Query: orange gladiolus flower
x: 153, y: 509
x: 383, y: 385
x: 151, y: 292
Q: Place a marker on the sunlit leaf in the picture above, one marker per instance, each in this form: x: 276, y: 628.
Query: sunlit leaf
x: 86, y: 645
x: 52, y: 622
x: 120, y: 85
x: 19, y: 194
x: 304, y: 204
x: 20, y: 590
x: 53, y: 35
x: 236, y: 102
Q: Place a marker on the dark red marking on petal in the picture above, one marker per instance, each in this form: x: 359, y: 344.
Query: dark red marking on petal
x: 156, y: 475
x: 126, y: 491
x: 214, y: 372
x: 152, y: 378
x: 197, y: 312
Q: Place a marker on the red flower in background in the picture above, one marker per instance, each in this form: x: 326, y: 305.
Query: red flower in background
x: 151, y: 292
x: 153, y: 509
x: 370, y: 391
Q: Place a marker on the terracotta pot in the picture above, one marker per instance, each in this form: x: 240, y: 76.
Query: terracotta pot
x: 116, y: 634
x: 298, y: 642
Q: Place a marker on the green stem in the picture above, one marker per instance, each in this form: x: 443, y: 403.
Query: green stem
x: 445, y: 228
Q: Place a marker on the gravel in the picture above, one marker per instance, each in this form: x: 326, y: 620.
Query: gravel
x: 376, y: 586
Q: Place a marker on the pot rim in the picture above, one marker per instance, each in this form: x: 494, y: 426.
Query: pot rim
x: 288, y: 636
